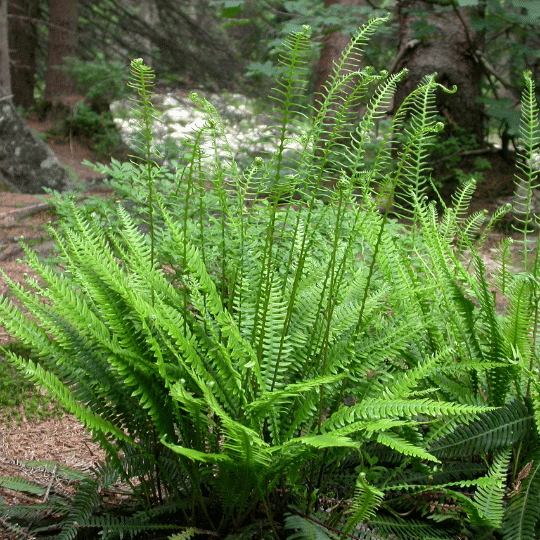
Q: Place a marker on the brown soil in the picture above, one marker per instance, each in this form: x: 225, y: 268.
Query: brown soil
x: 65, y: 441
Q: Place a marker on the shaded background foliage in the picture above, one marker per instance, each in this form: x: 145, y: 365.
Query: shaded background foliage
x: 213, y: 43
x: 61, y: 47
x: 69, y: 56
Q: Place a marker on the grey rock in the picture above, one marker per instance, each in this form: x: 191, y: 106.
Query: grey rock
x: 27, y: 164
x: 247, y: 133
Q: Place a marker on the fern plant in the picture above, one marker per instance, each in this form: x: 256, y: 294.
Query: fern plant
x: 505, y: 440
x: 267, y: 352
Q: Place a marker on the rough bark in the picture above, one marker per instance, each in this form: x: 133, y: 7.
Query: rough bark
x: 62, y: 43
x: 23, y: 45
x: 27, y: 164
x: 448, y: 50
x: 5, y: 78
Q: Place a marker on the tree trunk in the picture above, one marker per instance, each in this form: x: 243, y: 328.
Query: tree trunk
x: 435, y: 41
x: 23, y: 45
x: 62, y: 43
x: 27, y: 164
x: 5, y: 78
x: 334, y: 43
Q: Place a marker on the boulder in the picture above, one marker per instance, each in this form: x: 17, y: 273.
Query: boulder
x: 27, y: 164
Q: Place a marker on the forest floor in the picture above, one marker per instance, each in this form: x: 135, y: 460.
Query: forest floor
x: 64, y: 441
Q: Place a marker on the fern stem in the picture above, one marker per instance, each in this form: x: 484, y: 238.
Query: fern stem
x: 330, y: 307
x: 534, y: 345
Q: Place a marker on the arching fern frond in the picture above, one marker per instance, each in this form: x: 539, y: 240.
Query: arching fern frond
x: 380, y: 408
x: 404, y: 447
x: 498, y: 428
x: 306, y: 529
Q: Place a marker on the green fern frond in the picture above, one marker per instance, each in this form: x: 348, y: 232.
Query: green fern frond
x: 455, y: 219
x: 306, y: 529
x: 364, y: 504
x: 412, y: 165
x: 521, y: 517
x: 498, y: 428
x: 196, y: 455
x: 498, y: 378
x: 353, y: 52
x: 401, y: 445
x: 58, y: 390
x: 406, y: 382
x: 124, y: 525
x: 495, y: 218
x: 461, y: 199
x: 407, y: 529
x: 463, y: 484
x: 373, y: 426
x: 293, y: 59
x: 475, y: 514
x: 141, y: 81
x: 344, y: 81
x: 28, y: 512
x: 519, y: 322
x: 271, y: 402
x: 84, y: 504
x: 326, y: 440
x: 527, y: 180
x: 388, y: 341
x: 503, y: 259
x: 17, y: 483
x: 184, y: 535
x: 217, y: 131
x: 489, y: 499
x: 61, y: 470
x: 471, y: 228
x: 381, y: 408
x: 376, y: 109
x: 451, y: 472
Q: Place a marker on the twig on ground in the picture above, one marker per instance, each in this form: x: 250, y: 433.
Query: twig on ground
x: 53, y: 476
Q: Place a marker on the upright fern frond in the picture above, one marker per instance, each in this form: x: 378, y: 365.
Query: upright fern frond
x: 412, y: 168
x: 364, y: 504
x: 290, y: 89
x: 527, y: 180
x: 141, y: 81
